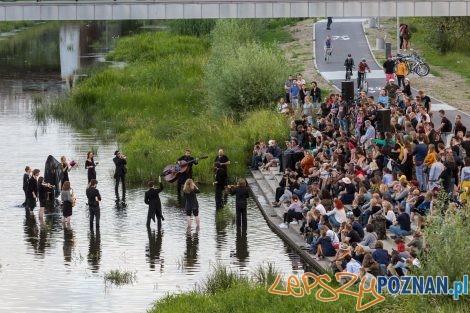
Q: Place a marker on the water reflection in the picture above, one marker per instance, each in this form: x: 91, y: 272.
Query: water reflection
x: 154, y: 249
x: 94, y: 250
x: 31, y: 231
x: 192, y: 250
x: 241, y: 244
x: 69, y: 243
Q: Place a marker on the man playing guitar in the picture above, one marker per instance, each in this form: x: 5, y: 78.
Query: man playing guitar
x: 186, y: 158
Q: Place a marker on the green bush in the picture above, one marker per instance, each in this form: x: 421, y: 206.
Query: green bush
x: 192, y: 27
x: 242, y: 75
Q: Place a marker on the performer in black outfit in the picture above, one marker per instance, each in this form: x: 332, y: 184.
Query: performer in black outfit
x: 94, y: 199
x: 241, y: 194
x: 120, y: 174
x: 152, y: 198
x: 65, y: 170
x: 221, y: 176
x: 32, y: 194
x: 189, y: 173
x: 90, y: 166
x: 26, y: 177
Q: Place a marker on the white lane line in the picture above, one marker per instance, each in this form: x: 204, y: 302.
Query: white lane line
x: 341, y: 75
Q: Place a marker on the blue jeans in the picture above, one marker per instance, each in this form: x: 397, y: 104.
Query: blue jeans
x: 420, y: 176
x: 451, y: 188
x: 397, y: 231
x: 333, y: 221
x: 343, y: 123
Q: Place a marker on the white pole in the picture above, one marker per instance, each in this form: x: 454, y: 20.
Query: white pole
x: 398, y: 29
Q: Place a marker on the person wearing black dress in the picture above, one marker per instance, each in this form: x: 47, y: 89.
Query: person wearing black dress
x: 191, y: 204
x: 65, y: 170
x: 43, y: 190
x: 241, y: 194
x: 32, y: 195
x: 90, y: 166
x: 152, y: 198
x: 67, y: 203
x: 221, y: 177
x: 120, y: 174
x: 26, y: 177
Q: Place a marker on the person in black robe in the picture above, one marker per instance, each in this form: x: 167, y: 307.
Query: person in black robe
x: 90, y: 165
x: 189, y: 172
x: 152, y: 198
x: 221, y: 177
x: 241, y: 196
x: 94, y: 199
x: 26, y: 177
x: 120, y: 174
x: 32, y: 196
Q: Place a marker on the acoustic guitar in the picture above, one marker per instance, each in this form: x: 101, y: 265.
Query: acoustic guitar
x: 172, y: 172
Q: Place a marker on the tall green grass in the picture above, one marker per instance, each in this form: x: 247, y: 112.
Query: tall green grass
x: 156, y: 106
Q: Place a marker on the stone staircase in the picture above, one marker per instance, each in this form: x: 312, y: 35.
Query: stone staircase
x: 263, y: 185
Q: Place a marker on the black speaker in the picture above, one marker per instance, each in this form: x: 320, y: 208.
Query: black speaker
x: 384, y: 118
x: 347, y: 91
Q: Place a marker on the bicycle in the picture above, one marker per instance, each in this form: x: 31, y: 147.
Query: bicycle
x: 328, y: 52
x: 414, y: 64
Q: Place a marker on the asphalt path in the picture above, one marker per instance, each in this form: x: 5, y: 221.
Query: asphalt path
x: 348, y: 37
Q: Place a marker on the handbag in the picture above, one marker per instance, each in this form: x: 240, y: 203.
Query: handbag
x: 74, y: 199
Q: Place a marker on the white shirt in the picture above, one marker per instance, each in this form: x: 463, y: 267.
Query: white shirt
x: 353, y: 267
x: 391, y: 216
x: 321, y: 208
x: 416, y: 263
x: 333, y: 236
x: 340, y: 215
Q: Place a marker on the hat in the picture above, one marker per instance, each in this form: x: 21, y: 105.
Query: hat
x: 391, y: 80
x: 406, y: 78
x: 403, y: 177
x: 344, y: 246
x: 346, y: 180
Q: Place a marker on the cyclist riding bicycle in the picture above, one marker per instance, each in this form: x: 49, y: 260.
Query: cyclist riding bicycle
x: 349, y: 64
x: 328, y: 47
x: 361, y: 70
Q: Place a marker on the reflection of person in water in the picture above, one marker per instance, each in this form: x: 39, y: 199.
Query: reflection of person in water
x: 192, y: 248
x: 242, y: 246
x: 94, y: 250
x: 68, y: 245
x: 154, y: 248
x: 31, y: 231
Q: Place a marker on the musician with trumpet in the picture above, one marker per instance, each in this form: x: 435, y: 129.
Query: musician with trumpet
x: 120, y: 174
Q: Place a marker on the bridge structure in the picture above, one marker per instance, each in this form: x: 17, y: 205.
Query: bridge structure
x: 197, y: 9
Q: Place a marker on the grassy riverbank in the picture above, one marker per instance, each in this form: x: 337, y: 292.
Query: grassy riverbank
x: 158, y: 104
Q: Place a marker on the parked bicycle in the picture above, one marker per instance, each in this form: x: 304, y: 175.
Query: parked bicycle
x: 414, y: 63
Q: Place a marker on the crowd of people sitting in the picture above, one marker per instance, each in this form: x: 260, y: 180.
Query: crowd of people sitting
x: 353, y: 182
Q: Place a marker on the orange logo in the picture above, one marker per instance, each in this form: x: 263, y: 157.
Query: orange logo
x: 319, y: 281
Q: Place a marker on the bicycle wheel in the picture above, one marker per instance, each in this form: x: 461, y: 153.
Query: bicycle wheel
x: 422, y: 69
x: 348, y: 75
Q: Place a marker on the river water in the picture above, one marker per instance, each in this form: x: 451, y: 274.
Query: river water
x: 44, y: 268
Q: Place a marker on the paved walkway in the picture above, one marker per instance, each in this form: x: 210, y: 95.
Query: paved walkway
x: 348, y: 37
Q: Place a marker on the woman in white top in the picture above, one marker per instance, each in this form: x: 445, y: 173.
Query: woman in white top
x: 338, y: 214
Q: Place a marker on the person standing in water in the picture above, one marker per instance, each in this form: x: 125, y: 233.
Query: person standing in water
x: 26, y: 177
x: 120, y: 174
x: 32, y: 194
x: 67, y: 199
x: 43, y: 192
x: 189, y: 173
x: 90, y: 166
x: 94, y: 199
x: 191, y: 204
x: 241, y: 195
x: 65, y: 170
x: 152, y: 199
x: 221, y: 176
